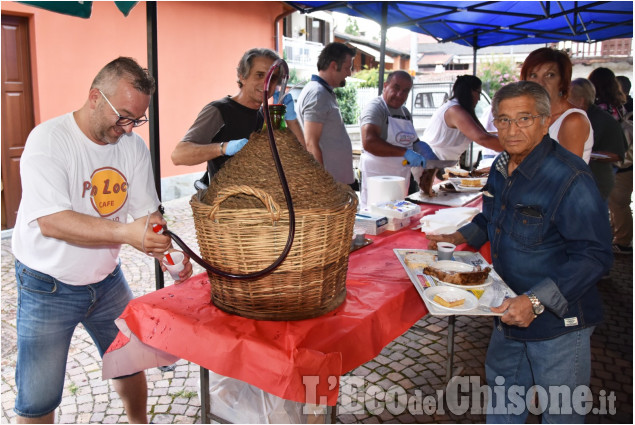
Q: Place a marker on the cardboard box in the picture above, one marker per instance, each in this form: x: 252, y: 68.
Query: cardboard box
x: 398, y: 223
x: 396, y: 209
x: 370, y: 224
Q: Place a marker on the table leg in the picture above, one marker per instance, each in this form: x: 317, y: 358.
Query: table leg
x: 450, y: 359
x: 205, y: 401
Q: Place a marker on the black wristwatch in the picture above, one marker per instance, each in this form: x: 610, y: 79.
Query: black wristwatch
x: 535, y: 303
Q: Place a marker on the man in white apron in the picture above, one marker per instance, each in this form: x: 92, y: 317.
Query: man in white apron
x: 389, y: 136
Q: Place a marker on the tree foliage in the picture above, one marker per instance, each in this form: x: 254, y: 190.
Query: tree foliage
x: 347, y: 100
x: 351, y: 27
x: 496, y: 74
x: 370, y: 77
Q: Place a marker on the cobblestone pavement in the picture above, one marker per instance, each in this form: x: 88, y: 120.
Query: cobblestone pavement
x: 415, y: 361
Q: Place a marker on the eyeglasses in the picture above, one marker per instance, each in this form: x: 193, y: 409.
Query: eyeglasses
x: 124, y: 121
x: 521, y: 122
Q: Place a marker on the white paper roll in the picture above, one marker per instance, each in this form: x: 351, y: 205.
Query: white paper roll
x: 385, y: 189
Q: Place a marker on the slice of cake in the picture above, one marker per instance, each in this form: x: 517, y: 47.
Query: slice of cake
x: 449, y: 300
x: 418, y: 260
x: 471, y: 182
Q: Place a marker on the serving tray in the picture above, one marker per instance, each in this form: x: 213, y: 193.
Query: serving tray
x: 492, y: 295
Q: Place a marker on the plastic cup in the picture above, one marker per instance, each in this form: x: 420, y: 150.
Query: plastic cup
x: 359, y: 239
x: 445, y: 250
x: 177, y: 267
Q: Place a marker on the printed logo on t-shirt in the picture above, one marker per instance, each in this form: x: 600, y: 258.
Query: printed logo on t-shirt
x: 108, y: 190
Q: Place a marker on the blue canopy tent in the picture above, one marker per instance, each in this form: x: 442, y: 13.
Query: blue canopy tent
x: 481, y: 24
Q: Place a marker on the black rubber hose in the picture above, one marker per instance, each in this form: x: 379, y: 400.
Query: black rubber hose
x: 284, y: 75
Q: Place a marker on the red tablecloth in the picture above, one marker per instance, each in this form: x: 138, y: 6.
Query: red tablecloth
x: 381, y: 304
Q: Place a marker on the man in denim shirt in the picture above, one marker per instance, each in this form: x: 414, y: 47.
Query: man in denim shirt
x: 551, y: 242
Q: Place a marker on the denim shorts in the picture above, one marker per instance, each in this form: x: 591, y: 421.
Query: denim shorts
x: 48, y: 313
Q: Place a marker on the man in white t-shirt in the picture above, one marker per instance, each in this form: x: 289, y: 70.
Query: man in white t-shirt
x: 83, y: 174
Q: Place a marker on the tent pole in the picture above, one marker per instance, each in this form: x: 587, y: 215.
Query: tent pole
x: 155, y: 147
x: 382, y: 49
x: 471, y: 148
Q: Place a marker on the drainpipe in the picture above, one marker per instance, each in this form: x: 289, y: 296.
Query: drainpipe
x: 276, y: 31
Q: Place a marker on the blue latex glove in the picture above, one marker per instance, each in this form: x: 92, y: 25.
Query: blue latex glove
x: 287, y: 100
x: 233, y: 146
x: 424, y: 149
x: 414, y: 159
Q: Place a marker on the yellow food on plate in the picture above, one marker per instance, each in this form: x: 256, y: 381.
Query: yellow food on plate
x: 448, y: 300
x: 471, y: 182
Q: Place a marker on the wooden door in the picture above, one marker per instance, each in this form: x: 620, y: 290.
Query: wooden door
x: 17, y: 110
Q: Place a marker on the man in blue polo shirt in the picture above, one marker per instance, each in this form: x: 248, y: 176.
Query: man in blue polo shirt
x: 319, y: 113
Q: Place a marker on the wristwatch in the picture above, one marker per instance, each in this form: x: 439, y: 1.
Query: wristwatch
x: 535, y: 303
x: 221, y: 148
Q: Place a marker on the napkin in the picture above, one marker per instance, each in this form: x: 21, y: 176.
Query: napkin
x: 447, y: 220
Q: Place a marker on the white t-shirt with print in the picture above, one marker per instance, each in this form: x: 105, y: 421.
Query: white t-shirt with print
x: 62, y: 169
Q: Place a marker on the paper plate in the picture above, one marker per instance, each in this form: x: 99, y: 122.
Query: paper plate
x: 470, y: 300
x: 452, y: 266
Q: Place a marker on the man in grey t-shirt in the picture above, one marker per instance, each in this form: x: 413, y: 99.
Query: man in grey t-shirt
x: 319, y: 113
x: 389, y: 136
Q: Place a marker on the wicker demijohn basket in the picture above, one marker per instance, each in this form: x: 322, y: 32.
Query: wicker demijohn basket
x: 242, y: 224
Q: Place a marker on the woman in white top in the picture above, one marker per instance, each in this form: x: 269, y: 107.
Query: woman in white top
x: 569, y: 125
x: 455, y: 125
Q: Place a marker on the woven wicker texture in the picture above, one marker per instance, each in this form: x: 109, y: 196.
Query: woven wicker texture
x: 242, y: 224
x: 310, y: 185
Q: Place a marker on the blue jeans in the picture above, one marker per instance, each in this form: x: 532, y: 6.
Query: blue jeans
x: 561, y: 362
x: 48, y: 313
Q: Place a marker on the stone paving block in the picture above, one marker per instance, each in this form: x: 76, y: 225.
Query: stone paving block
x: 114, y: 410
x: 162, y: 383
x: 397, y: 366
x: 361, y: 371
x: 67, y: 419
x: 161, y: 408
x: 165, y: 399
x: 178, y: 409
x: 192, y: 410
x: 183, y: 419
x: 7, y: 404
x: 385, y: 383
x: 373, y: 377
x: 68, y: 400
x: 383, y: 370
x: 397, y: 355
x: 414, y: 354
x: 382, y: 359
x: 409, y: 373
x: 110, y: 419
x: 162, y: 419
x: 159, y: 391
x: 192, y: 382
x: 371, y: 364
x: 395, y: 376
